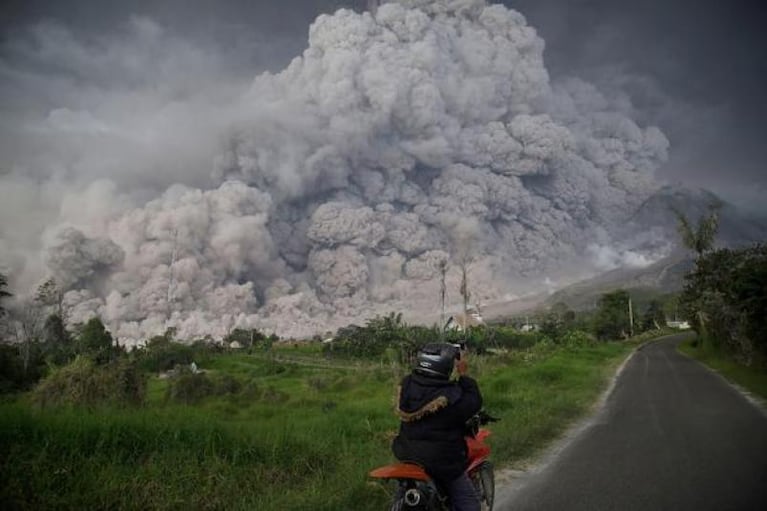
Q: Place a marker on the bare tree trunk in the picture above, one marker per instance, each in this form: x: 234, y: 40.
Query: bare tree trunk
x: 28, y: 329
x: 465, y: 261
x: 442, y: 296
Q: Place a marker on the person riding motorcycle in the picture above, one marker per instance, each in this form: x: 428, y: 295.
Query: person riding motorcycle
x: 433, y: 410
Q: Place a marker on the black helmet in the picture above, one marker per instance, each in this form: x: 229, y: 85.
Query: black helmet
x: 436, y: 360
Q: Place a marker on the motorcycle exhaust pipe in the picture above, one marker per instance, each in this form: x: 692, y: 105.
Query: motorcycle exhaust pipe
x: 412, y: 497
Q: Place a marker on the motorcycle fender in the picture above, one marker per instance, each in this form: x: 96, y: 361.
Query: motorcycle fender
x: 400, y: 471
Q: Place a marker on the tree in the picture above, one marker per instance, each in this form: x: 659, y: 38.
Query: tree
x: 671, y: 306
x: 612, y: 318
x: 4, y: 293
x: 699, y: 239
x: 379, y: 334
x: 49, y: 294
x: 245, y: 337
x: 96, y: 341
x: 725, y: 299
x: 28, y: 320
x: 463, y: 264
x: 57, y: 342
x: 654, y: 317
x: 557, y: 321
x: 442, y: 266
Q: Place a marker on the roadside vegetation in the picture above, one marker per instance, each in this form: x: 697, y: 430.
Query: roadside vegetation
x: 725, y: 301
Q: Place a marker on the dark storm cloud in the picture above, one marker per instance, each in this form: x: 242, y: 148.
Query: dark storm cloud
x: 698, y: 69
x: 261, y: 33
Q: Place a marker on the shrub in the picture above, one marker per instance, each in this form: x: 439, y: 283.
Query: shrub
x: 379, y: 339
x: 510, y: 338
x: 251, y: 390
x: 189, y: 388
x: 273, y: 395
x: 577, y: 339
x: 84, y: 383
x: 227, y: 384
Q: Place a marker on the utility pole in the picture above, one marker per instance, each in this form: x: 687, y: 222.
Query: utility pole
x: 465, y: 294
x: 170, y: 270
x: 464, y: 289
x: 631, y: 319
x: 442, y: 295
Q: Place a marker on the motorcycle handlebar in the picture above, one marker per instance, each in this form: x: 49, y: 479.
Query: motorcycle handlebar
x: 486, y: 418
x: 479, y: 419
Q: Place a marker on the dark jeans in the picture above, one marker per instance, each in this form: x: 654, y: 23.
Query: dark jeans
x: 463, y: 495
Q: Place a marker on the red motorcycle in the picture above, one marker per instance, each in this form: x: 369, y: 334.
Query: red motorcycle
x: 417, y: 491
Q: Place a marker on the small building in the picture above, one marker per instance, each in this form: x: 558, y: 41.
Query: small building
x: 681, y: 325
x: 235, y: 345
x: 461, y: 321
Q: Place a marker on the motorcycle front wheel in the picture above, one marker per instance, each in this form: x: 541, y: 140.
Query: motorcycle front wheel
x: 484, y: 480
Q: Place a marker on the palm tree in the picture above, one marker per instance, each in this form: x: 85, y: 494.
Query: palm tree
x: 699, y: 239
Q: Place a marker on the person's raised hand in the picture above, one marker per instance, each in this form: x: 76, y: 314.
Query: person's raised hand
x: 462, y: 365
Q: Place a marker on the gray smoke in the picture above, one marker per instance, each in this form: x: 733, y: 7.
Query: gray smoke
x: 427, y: 131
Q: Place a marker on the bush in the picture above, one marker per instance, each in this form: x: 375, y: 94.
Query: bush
x: 84, y: 383
x: 379, y: 336
x: 226, y: 384
x: 510, y: 338
x: 577, y: 339
x: 189, y: 388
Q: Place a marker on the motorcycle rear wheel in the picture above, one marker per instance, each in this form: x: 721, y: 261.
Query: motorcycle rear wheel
x: 397, y: 505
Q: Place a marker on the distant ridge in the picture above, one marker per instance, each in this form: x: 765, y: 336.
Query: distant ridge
x: 662, y: 277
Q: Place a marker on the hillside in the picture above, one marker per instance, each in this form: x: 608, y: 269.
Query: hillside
x: 662, y: 277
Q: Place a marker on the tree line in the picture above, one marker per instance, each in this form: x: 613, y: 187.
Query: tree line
x: 725, y: 295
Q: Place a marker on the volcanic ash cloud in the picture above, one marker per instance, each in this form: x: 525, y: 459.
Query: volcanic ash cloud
x: 429, y: 131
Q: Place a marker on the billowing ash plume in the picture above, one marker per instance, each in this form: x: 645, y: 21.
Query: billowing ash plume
x: 427, y: 131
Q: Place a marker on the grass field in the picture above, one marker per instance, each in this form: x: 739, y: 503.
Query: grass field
x: 299, y: 434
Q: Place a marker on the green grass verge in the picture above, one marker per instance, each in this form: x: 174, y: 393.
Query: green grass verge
x: 304, y: 441
x: 752, y: 379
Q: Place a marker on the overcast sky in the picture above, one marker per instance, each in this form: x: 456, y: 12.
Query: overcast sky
x: 698, y: 69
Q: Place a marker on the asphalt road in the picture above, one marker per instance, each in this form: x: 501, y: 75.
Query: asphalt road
x: 672, y: 436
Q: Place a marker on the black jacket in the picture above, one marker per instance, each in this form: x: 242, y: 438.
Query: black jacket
x: 433, y: 414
